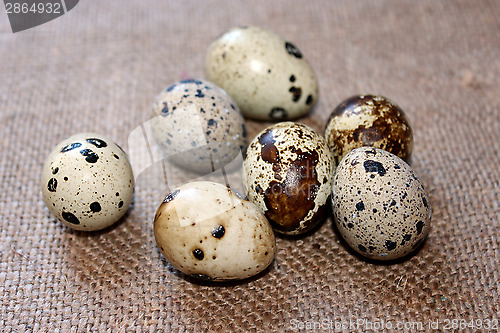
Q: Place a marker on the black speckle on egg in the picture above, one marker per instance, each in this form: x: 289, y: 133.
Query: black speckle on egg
x: 120, y: 204
x: 309, y: 100
x: 361, y: 248
x: 69, y: 217
x: 198, y: 254
x: 296, y: 93
x: 278, y: 113
x: 374, y: 166
x: 116, y: 156
x: 164, y: 110
x: 95, y: 207
x: 212, y: 122
x: 424, y: 200
x: 360, y: 206
x: 218, y: 231
x: 292, y: 78
x: 293, y: 50
x: 393, y: 203
x: 243, y: 127
x: 259, y: 190
x: 171, y: 196
x: 71, y: 146
x: 406, y: 238
x: 350, y: 225
x: 52, y: 185
x: 90, y: 156
x: 419, y: 226
x: 371, y: 152
x: 199, y: 93
x: 390, y: 245
x: 56, y: 170
x: 97, y: 142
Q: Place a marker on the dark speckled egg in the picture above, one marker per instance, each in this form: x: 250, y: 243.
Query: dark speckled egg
x: 368, y: 120
x: 288, y: 174
x: 380, y: 207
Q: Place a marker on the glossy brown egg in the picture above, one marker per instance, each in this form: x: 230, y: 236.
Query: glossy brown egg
x: 369, y: 120
x: 288, y: 174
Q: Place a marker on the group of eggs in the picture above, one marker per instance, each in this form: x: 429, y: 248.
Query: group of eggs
x: 292, y: 175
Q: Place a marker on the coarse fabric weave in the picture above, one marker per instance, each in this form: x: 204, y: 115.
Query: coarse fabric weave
x: 99, y: 68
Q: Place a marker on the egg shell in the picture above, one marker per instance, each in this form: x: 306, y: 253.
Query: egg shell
x: 369, y: 121
x: 266, y: 75
x: 288, y: 173
x: 198, y: 125
x: 87, y: 182
x: 381, y: 209
x: 204, y: 230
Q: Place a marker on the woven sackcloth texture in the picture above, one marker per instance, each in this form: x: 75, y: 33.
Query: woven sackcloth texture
x: 99, y: 68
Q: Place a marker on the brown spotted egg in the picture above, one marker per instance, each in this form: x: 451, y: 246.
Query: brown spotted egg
x: 288, y: 174
x: 87, y: 182
x: 266, y: 75
x: 206, y: 231
x: 198, y: 126
x: 368, y: 120
x: 380, y: 207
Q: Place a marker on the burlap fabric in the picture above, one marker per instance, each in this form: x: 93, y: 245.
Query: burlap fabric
x: 99, y: 67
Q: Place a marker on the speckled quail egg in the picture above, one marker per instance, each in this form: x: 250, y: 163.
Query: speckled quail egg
x: 87, y: 182
x: 288, y: 173
x: 380, y: 207
x: 198, y: 125
x: 266, y: 75
x: 206, y: 231
x: 369, y: 120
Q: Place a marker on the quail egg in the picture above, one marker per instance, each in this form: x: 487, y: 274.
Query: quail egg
x: 206, y: 231
x: 369, y: 120
x: 87, y: 182
x: 380, y: 207
x: 198, y: 126
x: 266, y: 75
x: 288, y: 174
